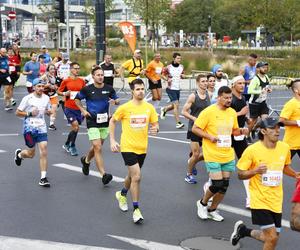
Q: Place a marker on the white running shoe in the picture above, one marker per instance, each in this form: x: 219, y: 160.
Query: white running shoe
x: 215, y: 216
x: 162, y: 113
x: 122, y: 201
x: 201, y: 211
x: 137, y: 216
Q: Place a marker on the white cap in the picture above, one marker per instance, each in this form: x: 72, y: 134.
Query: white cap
x: 237, y: 78
x: 137, y: 51
x: 44, y: 47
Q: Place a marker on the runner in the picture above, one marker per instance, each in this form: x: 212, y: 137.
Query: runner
x: 264, y: 163
x: 290, y: 117
x: 174, y: 73
x: 17, y: 62
x: 50, y: 90
x: 69, y: 89
x: 153, y: 73
x: 63, y: 66
x: 43, y: 65
x: 108, y: 69
x: 44, y: 52
x: 211, y: 83
x: 33, y: 107
x: 31, y: 70
x: 196, y: 102
x: 248, y: 72
x: 239, y: 143
x: 98, y: 96
x: 295, y: 213
x: 217, y: 71
x: 134, y: 65
x: 5, y: 79
x: 135, y: 116
x: 215, y: 125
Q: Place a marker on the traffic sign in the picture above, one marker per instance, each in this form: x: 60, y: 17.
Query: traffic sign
x: 12, y: 15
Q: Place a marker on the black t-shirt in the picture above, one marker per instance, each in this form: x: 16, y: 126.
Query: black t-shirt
x: 97, y: 104
x: 237, y: 104
x: 109, y: 71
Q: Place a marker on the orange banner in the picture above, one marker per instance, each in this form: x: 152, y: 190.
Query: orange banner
x: 129, y: 32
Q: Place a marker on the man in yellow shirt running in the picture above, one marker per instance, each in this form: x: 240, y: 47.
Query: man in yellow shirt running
x: 135, y: 116
x: 215, y: 125
x: 135, y: 67
x: 264, y: 163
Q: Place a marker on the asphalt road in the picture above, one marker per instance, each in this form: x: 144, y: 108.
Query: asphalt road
x: 77, y: 209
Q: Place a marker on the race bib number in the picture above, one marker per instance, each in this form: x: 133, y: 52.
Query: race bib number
x: 37, y: 122
x: 138, y: 121
x: 271, y: 178
x: 108, y: 73
x: 239, y: 137
x: 224, y: 141
x: 12, y: 68
x: 73, y: 94
x: 102, y: 118
x: 158, y: 70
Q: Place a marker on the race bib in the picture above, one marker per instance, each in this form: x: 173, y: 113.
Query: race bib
x: 224, y: 141
x: 73, y: 94
x: 102, y: 118
x: 158, y: 70
x: 239, y: 137
x: 12, y: 68
x: 37, y: 122
x: 262, y: 97
x: 271, y: 178
x: 8, y: 79
x: 138, y: 121
x: 108, y: 73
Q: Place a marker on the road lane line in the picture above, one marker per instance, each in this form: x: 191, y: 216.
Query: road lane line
x: 79, y: 170
x: 9, y: 134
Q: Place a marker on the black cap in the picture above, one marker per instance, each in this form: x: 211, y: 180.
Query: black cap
x: 261, y: 64
x: 270, y: 122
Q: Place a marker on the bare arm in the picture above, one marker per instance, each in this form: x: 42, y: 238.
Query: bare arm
x: 287, y: 170
x: 121, y: 73
x: 287, y: 122
x: 240, y: 131
x: 187, y: 107
x: 247, y: 174
x: 154, y: 128
x: 200, y: 132
x: 82, y: 109
x: 295, y: 217
x: 114, y: 146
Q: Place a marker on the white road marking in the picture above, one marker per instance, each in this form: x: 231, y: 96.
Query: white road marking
x: 79, y: 170
x: 2, y: 151
x: 223, y: 207
x: 13, y: 243
x: 172, y: 132
x: 9, y: 134
x: 146, y: 244
x: 79, y: 133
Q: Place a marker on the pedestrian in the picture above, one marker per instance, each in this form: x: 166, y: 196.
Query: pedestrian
x: 264, y: 163
x: 135, y: 116
x: 5, y: 79
x: 98, y: 97
x: 33, y: 108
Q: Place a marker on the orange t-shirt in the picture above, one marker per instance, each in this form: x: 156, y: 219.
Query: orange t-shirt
x: 73, y: 85
x: 154, y: 70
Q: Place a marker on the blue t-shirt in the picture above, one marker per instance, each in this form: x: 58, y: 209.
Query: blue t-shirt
x: 250, y: 72
x: 47, y: 58
x: 35, y: 68
x: 4, y: 65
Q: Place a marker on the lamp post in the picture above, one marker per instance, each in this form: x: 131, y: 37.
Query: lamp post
x: 1, y: 38
x: 100, y: 30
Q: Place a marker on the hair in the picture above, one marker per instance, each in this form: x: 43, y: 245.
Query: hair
x: 224, y: 89
x: 136, y: 82
x: 253, y: 55
x: 107, y: 55
x: 260, y: 135
x: 293, y: 83
x: 73, y: 64
x: 95, y: 68
x: 49, y: 65
x: 176, y: 54
x: 201, y: 76
x: 210, y: 75
x: 31, y: 53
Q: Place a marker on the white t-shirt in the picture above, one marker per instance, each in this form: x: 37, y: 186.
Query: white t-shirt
x: 37, y: 123
x: 63, y: 69
x: 175, y: 73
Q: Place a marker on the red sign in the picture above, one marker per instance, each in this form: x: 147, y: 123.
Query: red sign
x: 129, y: 33
x: 12, y: 15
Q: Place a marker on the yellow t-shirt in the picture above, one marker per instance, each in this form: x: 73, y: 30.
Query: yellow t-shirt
x: 291, y: 111
x: 154, y: 70
x: 220, y: 123
x: 134, y: 71
x: 266, y: 190
x: 135, y: 120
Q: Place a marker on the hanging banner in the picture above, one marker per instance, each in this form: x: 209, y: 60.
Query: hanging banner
x: 129, y: 33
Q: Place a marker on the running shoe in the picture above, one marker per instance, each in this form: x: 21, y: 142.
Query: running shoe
x: 73, y: 151
x: 52, y: 127
x: 85, y: 166
x: 190, y: 179
x: 66, y: 147
x: 8, y: 108
x: 201, y: 210
x: 106, y: 178
x: 194, y: 171
x: 44, y: 182
x: 137, y: 216
x: 162, y: 113
x: 122, y: 200
x: 13, y: 102
x: 214, y: 215
x: 239, y: 227
x: 179, y: 125
x: 18, y: 160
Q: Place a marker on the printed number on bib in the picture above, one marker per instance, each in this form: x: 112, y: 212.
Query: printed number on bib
x: 12, y: 68
x: 37, y: 122
x: 108, y: 73
x: 158, y: 70
x: 239, y: 137
x: 102, y: 118
x: 73, y: 94
x: 271, y: 178
x: 224, y: 141
x: 138, y: 121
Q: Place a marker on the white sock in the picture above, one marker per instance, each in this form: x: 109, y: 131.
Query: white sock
x: 19, y: 155
x: 43, y: 174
